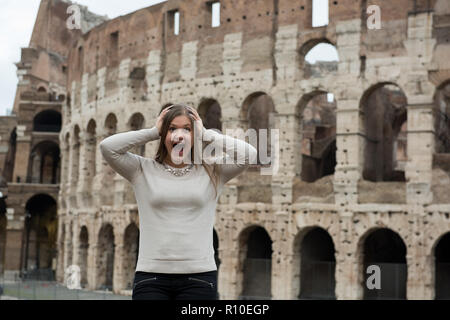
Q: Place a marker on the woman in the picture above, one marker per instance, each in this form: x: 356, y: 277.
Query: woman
x: 177, y: 199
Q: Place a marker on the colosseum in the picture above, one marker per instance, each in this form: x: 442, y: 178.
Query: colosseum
x: 362, y: 173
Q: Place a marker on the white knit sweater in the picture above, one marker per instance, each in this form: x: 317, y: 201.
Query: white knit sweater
x: 176, y: 214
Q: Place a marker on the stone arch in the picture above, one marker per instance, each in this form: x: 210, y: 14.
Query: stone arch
x: 40, y: 237
x: 83, y: 250
x: 258, y: 113
x: 385, y: 248
x: 137, y: 122
x: 47, y: 121
x: 317, y: 114
x: 211, y: 113
x: 384, y: 109
x: 105, y: 257
x: 44, y: 164
x: 255, y: 263
x: 110, y: 124
x: 317, y: 264
x: 441, y: 267
x: 131, y: 253
x: 313, y: 63
x: 91, y: 149
x: 42, y: 89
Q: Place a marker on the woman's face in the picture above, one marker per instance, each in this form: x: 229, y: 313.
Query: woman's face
x: 180, y: 132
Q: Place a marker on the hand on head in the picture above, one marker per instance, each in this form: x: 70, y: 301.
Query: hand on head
x: 198, y: 123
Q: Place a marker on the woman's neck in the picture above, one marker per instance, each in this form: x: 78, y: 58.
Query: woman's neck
x: 178, y: 166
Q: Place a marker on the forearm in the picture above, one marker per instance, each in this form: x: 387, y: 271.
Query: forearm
x: 120, y: 143
x: 240, y: 154
x: 115, y: 150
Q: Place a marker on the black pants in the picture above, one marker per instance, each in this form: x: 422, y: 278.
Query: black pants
x: 170, y: 286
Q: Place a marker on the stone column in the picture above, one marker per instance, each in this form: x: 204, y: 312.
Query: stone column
x: 349, y: 118
x: 92, y: 263
x: 68, y: 247
x: 84, y: 195
x: 61, y: 248
x: 23, y: 144
x: 284, y: 148
x: 97, y: 182
x: 282, y: 271
x: 118, y: 276
x: 418, y: 170
x: 349, y: 155
x: 13, y: 244
x: 349, y: 264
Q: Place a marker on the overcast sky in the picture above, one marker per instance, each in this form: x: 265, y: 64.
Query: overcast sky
x: 17, y: 19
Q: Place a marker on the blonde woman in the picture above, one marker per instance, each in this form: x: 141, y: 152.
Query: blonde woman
x: 177, y: 199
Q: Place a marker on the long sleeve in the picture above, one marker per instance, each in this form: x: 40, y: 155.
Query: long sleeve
x: 115, y: 150
x: 241, y: 153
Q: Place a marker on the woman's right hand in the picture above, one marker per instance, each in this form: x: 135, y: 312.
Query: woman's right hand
x: 160, y: 119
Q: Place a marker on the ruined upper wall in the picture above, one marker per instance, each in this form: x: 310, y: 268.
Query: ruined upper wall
x: 134, y: 35
x: 43, y: 63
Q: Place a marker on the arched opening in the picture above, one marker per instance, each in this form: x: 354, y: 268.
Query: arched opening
x: 442, y: 268
x: 83, y: 249
x: 258, y: 112
x: 137, y: 122
x: 256, y: 258
x: 385, y: 250
x: 44, y: 163
x: 42, y: 89
x: 47, y: 121
x: 318, y: 131
x: 318, y: 264
x: 105, y: 258
x: 318, y: 58
x: 40, y: 234
x: 131, y: 252
x: 91, y: 150
x: 211, y: 114
x: 441, y: 155
x: 385, y: 115
x: 138, y: 83
x: 111, y: 124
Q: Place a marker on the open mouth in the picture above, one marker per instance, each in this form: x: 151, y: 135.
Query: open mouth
x: 178, y: 147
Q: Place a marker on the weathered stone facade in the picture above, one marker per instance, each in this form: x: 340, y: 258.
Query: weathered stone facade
x: 29, y: 148
x: 362, y: 180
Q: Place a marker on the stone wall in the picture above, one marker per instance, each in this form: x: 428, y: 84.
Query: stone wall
x: 134, y: 64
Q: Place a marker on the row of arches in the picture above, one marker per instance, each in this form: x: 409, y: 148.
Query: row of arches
x: 384, y: 109
x: 314, y: 262
x: 38, y: 250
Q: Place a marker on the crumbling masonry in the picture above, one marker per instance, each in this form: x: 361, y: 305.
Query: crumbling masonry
x: 363, y: 177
